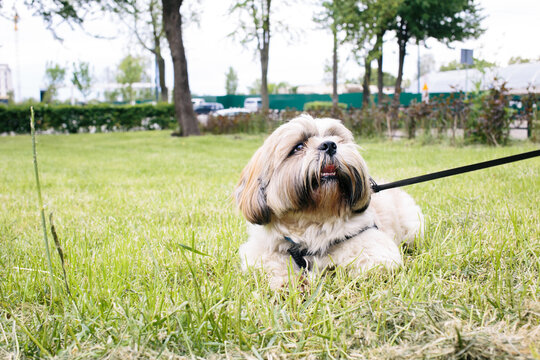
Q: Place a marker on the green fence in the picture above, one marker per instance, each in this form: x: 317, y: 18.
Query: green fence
x: 297, y: 101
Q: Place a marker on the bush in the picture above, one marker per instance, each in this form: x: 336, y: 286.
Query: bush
x: 529, y: 114
x: 370, y: 121
x: 418, y: 112
x: 241, y: 123
x: 93, y: 118
x: 490, y: 117
x: 322, y: 105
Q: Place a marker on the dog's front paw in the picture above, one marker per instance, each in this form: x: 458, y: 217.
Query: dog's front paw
x: 384, y: 262
x: 278, y: 282
x: 369, y: 251
x: 284, y: 282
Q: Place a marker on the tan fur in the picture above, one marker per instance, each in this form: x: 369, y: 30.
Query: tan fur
x: 282, y: 193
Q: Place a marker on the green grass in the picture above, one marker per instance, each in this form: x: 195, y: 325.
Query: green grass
x: 150, y: 236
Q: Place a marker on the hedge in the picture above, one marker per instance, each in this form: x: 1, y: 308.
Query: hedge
x: 322, y: 105
x: 95, y: 118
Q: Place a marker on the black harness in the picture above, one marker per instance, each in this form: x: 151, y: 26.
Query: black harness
x: 298, y: 252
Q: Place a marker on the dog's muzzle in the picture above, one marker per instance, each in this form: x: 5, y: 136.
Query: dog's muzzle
x: 328, y: 147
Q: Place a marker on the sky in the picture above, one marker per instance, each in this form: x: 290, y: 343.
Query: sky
x: 297, y: 55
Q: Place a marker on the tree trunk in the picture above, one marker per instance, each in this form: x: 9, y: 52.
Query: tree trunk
x: 161, y: 69
x: 334, y: 74
x: 264, y: 80
x: 366, y: 94
x: 402, y: 42
x: 183, y: 108
x: 264, y: 49
x: 380, y: 74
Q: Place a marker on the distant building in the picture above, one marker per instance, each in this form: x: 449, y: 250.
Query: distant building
x: 6, y: 84
x: 519, y: 79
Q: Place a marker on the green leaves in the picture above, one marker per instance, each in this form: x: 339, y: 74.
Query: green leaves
x: 54, y: 78
x: 74, y: 119
x: 81, y: 78
x: 446, y: 21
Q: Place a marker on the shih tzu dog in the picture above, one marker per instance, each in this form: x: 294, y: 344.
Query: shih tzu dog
x: 306, y: 192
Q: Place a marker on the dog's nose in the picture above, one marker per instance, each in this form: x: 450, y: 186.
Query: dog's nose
x: 329, y: 147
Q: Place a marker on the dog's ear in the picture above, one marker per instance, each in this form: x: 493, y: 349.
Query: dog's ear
x: 251, y: 190
x: 357, y: 186
x: 363, y: 191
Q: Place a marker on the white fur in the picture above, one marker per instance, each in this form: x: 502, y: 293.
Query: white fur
x: 394, y: 212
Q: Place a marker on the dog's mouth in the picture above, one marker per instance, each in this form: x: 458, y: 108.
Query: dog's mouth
x: 328, y: 172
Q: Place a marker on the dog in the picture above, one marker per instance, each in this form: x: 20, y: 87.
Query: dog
x: 307, y: 196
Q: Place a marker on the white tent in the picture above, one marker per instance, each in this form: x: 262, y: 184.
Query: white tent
x: 518, y: 78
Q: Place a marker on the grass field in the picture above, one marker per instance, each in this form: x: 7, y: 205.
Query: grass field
x: 150, y: 236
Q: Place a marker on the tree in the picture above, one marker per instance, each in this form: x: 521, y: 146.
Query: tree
x: 172, y: 21
x: 328, y: 72
x: 255, y: 88
x: 111, y: 96
x: 367, y: 21
x: 273, y: 88
x: 130, y: 71
x: 278, y: 88
x: 518, y: 60
x: 427, y: 64
x: 147, y: 26
x: 331, y: 17
x: 388, y: 79
x: 446, y: 21
x: 72, y: 11
x: 452, y: 65
x: 54, y: 78
x: 257, y: 30
x: 56, y: 12
x: 477, y: 64
x: 82, y: 79
x: 231, y: 81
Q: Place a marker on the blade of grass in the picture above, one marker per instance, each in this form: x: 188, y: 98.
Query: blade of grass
x: 41, y: 208
x: 193, y: 250
x: 60, y: 254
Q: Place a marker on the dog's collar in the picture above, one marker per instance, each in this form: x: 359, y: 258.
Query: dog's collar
x: 298, y: 253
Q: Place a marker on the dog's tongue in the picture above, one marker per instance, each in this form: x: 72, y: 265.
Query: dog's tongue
x: 329, y: 170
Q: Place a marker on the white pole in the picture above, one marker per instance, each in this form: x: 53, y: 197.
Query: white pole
x: 418, y: 68
x: 18, y: 96
x: 466, y: 80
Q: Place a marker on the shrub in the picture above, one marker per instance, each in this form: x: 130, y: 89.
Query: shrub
x: 73, y: 119
x: 490, y: 117
x: 529, y: 114
x: 369, y: 121
x: 322, y: 105
x: 420, y: 113
x: 241, y: 123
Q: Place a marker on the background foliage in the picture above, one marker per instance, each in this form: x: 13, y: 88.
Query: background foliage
x: 73, y: 119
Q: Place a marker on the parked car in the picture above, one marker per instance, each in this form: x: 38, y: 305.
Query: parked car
x: 197, y: 101
x: 206, y: 108
x: 231, y: 112
x: 253, y: 104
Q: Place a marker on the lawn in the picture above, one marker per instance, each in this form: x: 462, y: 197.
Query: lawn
x: 150, y: 235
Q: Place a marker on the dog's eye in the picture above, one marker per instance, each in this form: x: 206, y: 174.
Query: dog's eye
x: 296, y: 148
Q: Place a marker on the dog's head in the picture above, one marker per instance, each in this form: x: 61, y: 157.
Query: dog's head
x: 306, y: 165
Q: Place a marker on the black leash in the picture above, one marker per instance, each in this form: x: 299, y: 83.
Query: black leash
x: 298, y: 253
x: 455, y: 171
